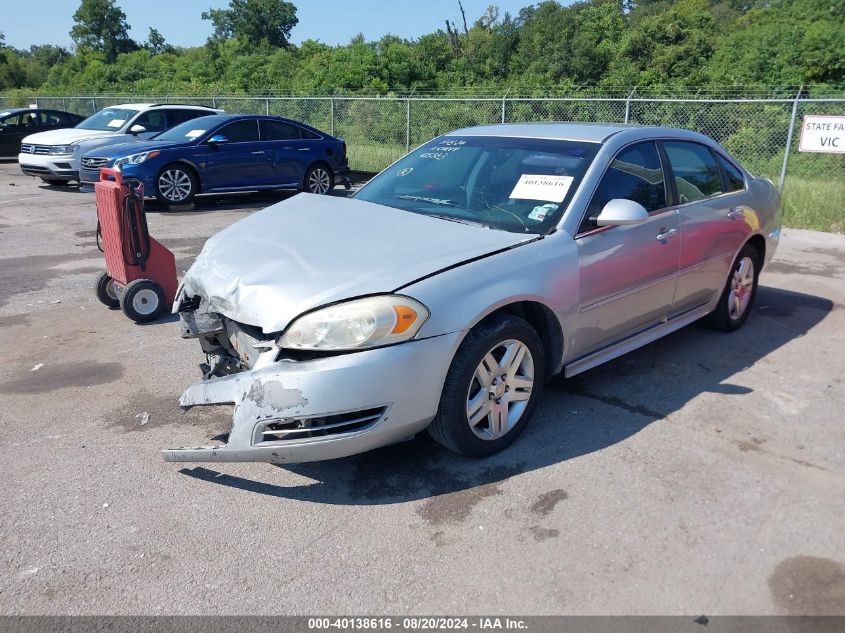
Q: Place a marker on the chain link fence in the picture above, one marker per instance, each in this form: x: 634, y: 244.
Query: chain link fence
x: 762, y: 133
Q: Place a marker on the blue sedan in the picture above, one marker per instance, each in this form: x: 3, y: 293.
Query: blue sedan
x: 225, y: 153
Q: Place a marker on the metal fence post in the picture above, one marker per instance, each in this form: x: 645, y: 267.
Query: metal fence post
x: 267, y: 106
x: 628, y: 106
x: 789, y: 137
x: 407, y: 125
x: 214, y: 102
x: 331, y: 101
x: 93, y: 105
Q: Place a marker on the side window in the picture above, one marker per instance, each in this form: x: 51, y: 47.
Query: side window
x: 278, y: 131
x: 12, y: 121
x: 175, y: 117
x: 697, y: 175
x: 733, y: 177
x: 241, y: 131
x: 153, y: 120
x: 309, y: 134
x: 635, y: 174
x: 53, y: 119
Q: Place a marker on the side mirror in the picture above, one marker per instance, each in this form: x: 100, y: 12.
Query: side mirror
x: 218, y: 139
x: 137, y: 129
x: 620, y: 211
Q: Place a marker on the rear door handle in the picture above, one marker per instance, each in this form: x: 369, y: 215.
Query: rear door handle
x: 304, y: 149
x: 665, y: 235
x: 736, y: 212
x: 257, y: 153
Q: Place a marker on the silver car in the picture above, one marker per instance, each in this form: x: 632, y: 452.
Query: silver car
x: 450, y: 288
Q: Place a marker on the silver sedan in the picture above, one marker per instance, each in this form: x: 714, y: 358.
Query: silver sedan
x: 450, y: 288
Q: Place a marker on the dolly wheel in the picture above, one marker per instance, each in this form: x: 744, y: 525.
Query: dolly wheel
x: 106, y: 292
x: 142, y: 300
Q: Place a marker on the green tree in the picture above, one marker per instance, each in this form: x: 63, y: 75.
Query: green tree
x: 256, y: 21
x: 156, y: 43
x: 100, y: 25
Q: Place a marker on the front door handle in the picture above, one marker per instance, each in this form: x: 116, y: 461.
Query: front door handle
x: 736, y: 212
x: 257, y: 153
x: 304, y: 149
x: 665, y: 235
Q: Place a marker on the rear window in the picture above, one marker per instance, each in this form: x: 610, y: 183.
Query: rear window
x: 733, y: 176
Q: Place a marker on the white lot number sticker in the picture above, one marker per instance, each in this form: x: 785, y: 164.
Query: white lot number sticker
x: 116, y: 122
x: 194, y: 133
x: 539, y: 187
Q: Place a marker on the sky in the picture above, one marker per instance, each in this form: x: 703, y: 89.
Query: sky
x: 27, y: 22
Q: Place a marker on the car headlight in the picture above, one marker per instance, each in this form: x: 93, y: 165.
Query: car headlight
x: 357, y: 324
x: 62, y: 150
x: 135, y: 159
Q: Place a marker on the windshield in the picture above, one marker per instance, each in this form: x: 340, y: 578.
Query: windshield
x: 109, y: 119
x: 514, y: 184
x: 191, y: 130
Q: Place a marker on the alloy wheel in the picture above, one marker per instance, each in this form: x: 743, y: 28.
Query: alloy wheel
x: 742, y: 285
x: 174, y: 184
x: 500, y: 390
x: 319, y: 181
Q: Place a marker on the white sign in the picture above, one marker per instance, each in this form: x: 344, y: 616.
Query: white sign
x: 825, y: 134
x: 539, y: 187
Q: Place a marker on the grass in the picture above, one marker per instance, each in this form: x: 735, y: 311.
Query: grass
x: 815, y: 203
x: 369, y: 156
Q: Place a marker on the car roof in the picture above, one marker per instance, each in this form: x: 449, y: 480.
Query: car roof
x: 590, y: 132
x: 585, y: 132
x: 147, y: 106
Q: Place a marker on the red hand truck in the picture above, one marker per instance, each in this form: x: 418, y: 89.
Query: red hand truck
x: 140, y: 273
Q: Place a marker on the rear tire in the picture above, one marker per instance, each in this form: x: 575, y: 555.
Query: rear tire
x: 106, y: 292
x: 319, y: 179
x: 176, y: 184
x: 142, y: 300
x: 737, y: 298
x: 492, y: 388
x: 53, y: 182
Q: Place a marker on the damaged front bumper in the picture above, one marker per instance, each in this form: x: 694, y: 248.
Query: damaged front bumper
x: 288, y: 411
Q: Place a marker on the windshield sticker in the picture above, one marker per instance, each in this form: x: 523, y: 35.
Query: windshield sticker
x: 116, y: 122
x: 404, y: 172
x: 540, y: 187
x: 539, y: 213
x: 194, y: 133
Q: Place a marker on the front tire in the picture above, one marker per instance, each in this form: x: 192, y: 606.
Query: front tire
x: 55, y: 182
x: 491, y: 389
x: 142, y: 300
x: 175, y: 185
x: 740, y: 290
x: 319, y: 179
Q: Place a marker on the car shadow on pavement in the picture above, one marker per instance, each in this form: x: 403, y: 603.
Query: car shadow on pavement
x: 576, y: 416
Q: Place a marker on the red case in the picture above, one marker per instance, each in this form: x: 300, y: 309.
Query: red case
x: 161, y: 264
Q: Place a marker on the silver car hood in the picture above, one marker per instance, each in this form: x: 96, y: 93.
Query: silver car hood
x: 310, y: 250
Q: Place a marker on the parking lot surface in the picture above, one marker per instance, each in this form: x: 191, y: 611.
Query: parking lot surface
x: 703, y: 474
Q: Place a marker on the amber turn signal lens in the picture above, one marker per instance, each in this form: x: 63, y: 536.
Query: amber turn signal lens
x: 405, y: 318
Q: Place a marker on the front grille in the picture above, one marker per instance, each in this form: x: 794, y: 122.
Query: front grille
x: 94, y: 162
x: 44, y: 150
x: 311, y: 428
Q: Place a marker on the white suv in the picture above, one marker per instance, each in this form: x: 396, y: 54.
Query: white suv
x: 54, y: 155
